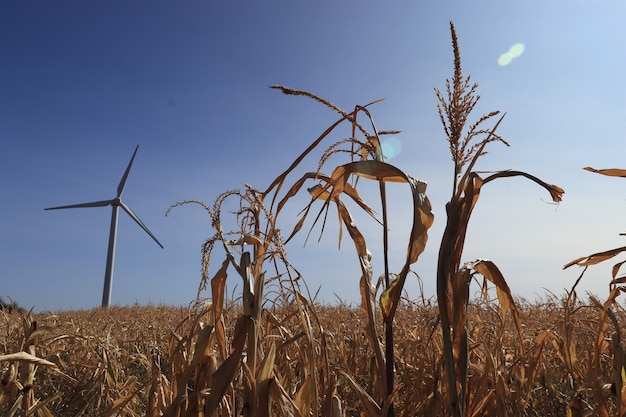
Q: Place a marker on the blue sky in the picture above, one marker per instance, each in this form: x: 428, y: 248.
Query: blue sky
x: 82, y: 83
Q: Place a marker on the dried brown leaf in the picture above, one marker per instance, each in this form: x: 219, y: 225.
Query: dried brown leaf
x: 263, y: 381
x: 246, y: 240
x: 370, y: 407
x: 555, y: 191
x: 224, y: 375
x: 28, y: 358
x: 218, y: 289
x: 490, y: 271
x: 120, y: 403
x: 285, y: 404
x: 611, y: 172
x: 595, y: 258
x: 616, y: 268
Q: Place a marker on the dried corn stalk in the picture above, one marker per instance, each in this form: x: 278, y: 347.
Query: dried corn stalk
x: 466, y: 147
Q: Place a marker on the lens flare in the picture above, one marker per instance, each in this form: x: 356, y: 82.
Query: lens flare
x: 391, y: 147
x: 505, y: 59
x: 514, y: 52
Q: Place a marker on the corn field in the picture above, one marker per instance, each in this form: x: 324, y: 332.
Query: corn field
x: 272, y: 350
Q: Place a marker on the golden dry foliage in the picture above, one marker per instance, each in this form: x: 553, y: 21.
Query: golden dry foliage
x: 138, y: 361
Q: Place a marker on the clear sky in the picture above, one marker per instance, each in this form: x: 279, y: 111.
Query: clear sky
x: 82, y: 83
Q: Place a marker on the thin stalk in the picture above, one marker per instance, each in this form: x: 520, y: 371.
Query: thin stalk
x: 389, y: 353
x: 249, y: 406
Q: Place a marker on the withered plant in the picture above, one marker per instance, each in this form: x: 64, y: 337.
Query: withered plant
x: 257, y: 244
x: 467, y: 145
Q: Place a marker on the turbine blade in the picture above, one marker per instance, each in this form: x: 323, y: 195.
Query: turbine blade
x: 139, y: 222
x: 120, y: 188
x: 92, y: 204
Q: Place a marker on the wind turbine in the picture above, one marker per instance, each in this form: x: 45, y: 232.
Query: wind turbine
x: 116, y: 203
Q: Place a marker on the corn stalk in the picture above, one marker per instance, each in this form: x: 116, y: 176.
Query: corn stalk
x: 257, y: 221
x: 452, y: 283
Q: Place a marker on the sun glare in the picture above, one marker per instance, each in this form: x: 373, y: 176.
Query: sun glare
x: 514, y: 52
x: 391, y: 147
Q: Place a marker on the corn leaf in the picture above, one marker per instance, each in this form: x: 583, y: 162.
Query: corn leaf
x: 555, y: 191
x: 422, y: 219
x: 490, y: 271
x: 121, y: 402
x: 370, y: 407
x: 28, y: 358
x: 595, y: 258
x: 224, y: 375
x: 218, y: 289
x: 616, y: 268
x: 285, y: 404
x: 246, y: 240
x: 611, y: 172
x: 263, y: 381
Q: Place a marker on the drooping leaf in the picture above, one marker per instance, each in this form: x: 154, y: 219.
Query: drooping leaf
x: 278, y: 182
x: 321, y: 191
x: 555, y: 191
x: 422, y: 216
x: 490, y: 271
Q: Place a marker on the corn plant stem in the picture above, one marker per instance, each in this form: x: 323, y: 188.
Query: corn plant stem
x: 28, y: 369
x: 389, y: 354
x: 448, y: 264
x: 245, y: 270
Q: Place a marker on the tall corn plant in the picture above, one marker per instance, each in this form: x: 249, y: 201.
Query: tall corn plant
x: 258, y: 230
x: 367, y: 163
x: 467, y: 145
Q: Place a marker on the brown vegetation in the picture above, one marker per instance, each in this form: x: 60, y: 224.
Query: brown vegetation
x: 137, y: 361
x: 276, y: 352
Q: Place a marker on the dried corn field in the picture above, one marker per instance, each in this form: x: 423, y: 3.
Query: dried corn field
x: 274, y: 351
x: 157, y: 360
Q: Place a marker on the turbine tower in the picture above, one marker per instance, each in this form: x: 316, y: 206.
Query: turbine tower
x: 116, y: 203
